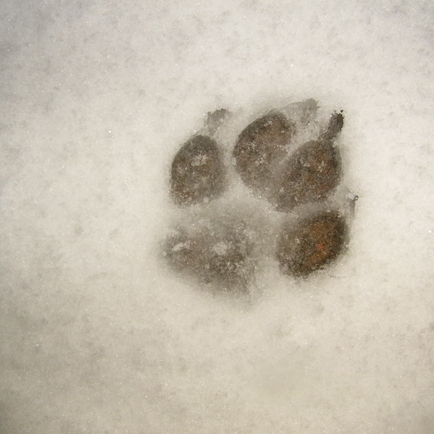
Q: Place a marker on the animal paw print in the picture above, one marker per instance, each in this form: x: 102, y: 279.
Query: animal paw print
x: 272, y: 194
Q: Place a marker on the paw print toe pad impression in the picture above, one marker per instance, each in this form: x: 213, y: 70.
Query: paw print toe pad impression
x: 260, y: 148
x: 197, y: 173
x: 311, y: 244
x: 310, y: 175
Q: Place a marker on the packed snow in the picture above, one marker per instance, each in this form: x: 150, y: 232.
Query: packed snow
x: 98, y: 334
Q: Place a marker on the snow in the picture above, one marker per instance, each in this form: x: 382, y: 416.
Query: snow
x: 96, y: 334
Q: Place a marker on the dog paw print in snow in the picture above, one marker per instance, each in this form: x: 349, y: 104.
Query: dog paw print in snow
x: 258, y: 194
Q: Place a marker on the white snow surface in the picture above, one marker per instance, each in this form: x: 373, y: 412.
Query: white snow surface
x: 97, y: 336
